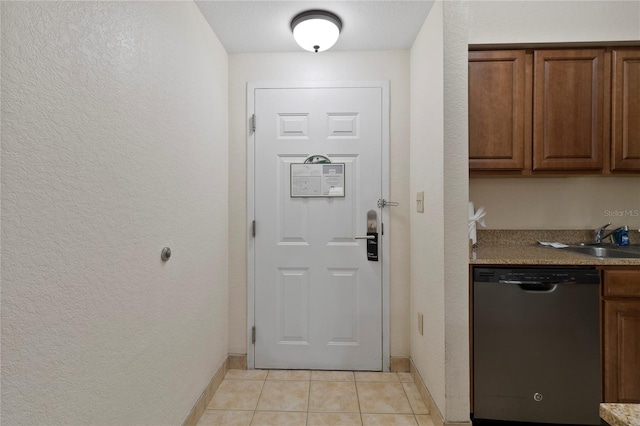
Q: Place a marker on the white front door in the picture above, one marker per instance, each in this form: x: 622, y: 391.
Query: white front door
x: 318, y: 299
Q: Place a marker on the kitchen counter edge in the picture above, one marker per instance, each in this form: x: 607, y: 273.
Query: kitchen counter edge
x: 538, y: 255
x: 620, y: 414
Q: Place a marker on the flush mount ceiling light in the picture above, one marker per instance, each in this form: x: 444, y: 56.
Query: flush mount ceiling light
x: 316, y: 30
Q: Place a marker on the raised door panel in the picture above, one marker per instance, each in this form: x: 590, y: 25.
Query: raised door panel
x: 622, y: 351
x: 496, y: 110
x: 625, y: 119
x: 568, y: 109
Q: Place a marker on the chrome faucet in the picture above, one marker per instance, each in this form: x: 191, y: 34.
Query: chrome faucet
x: 597, y: 239
x: 600, y: 233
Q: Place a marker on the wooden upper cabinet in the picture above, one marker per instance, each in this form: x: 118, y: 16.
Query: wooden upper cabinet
x: 625, y: 111
x: 496, y: 110
x: 568, y: 109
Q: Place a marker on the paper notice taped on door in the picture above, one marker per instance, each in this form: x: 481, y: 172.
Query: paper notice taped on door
x: 317, y: 180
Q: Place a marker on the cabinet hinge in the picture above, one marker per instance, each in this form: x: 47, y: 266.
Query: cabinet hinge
x: 253, y: 335
x: 253, y: 123
x: 253, y: 228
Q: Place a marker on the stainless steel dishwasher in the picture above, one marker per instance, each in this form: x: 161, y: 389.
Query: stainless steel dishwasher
x: 536, y: 345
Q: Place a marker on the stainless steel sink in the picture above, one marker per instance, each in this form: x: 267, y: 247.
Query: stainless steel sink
x: 607, y: 252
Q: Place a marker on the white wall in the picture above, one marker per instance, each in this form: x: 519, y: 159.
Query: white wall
x: 439, y: 247
x: 533, y: 203
x: 427, y: 229
x: 114, y: 145
x: 456, y: 211
x: 327, y: 66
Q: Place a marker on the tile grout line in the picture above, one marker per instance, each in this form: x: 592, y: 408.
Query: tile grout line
x: 409, y: 401
x: 355, y: 383
x: 258, y: 401
x: 308, y: 400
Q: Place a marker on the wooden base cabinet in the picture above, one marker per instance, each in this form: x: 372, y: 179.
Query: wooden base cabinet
x: 621, y: 335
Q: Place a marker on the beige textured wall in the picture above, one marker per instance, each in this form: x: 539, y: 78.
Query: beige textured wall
x: 328, y: 66
x: 439, y: 249
x: 427, y: 229
x: 456, y: 211
x: 558, y: 203
x: 532, y: 21
x: 114, y: 145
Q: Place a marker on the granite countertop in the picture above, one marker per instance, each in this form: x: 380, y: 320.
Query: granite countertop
x: 620, y: 414
x: 538, y: 255
x: 520, y: 248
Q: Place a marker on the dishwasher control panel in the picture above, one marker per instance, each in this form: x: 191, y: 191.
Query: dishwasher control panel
x: 537, y: 275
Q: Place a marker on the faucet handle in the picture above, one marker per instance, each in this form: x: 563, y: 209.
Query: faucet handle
x: 599, y: 232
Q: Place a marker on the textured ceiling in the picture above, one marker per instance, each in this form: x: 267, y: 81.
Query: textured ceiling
x: 264, y: 26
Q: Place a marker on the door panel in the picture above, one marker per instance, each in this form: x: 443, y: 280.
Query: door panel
x: 625, y: 131
x: 568, y: 112
x: 293, y: 292
x: 343, y: 306
x: 292, y: 213
x: 318, y: 300
x: 497, y: 110
x: 622, y: 351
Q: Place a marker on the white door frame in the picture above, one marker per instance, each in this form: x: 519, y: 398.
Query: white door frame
x: 251, y: 88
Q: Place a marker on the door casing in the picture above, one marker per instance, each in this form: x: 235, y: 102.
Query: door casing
x: 251, y: 88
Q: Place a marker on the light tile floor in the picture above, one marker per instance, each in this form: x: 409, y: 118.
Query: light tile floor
x: 316, y: 398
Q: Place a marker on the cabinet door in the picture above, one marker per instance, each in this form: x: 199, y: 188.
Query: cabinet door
x: 496, y: 110
x: 625, y: 120
x: 622, y: 351
x: 568, y: 109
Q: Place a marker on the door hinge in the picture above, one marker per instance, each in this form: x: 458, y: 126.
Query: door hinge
x: 253, y: 335
x: 253, y: 123
x: 253, y: 228
x: 382, y: 226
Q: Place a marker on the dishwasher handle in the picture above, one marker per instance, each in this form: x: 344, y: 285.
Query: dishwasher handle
x: 536, y: 286
x: 519, y: 282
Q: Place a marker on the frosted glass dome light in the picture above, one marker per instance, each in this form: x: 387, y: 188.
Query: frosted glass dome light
x: 316, y: 30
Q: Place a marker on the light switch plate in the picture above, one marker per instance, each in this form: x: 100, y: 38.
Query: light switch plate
x: 420, y: 323
x: 420, y: 202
